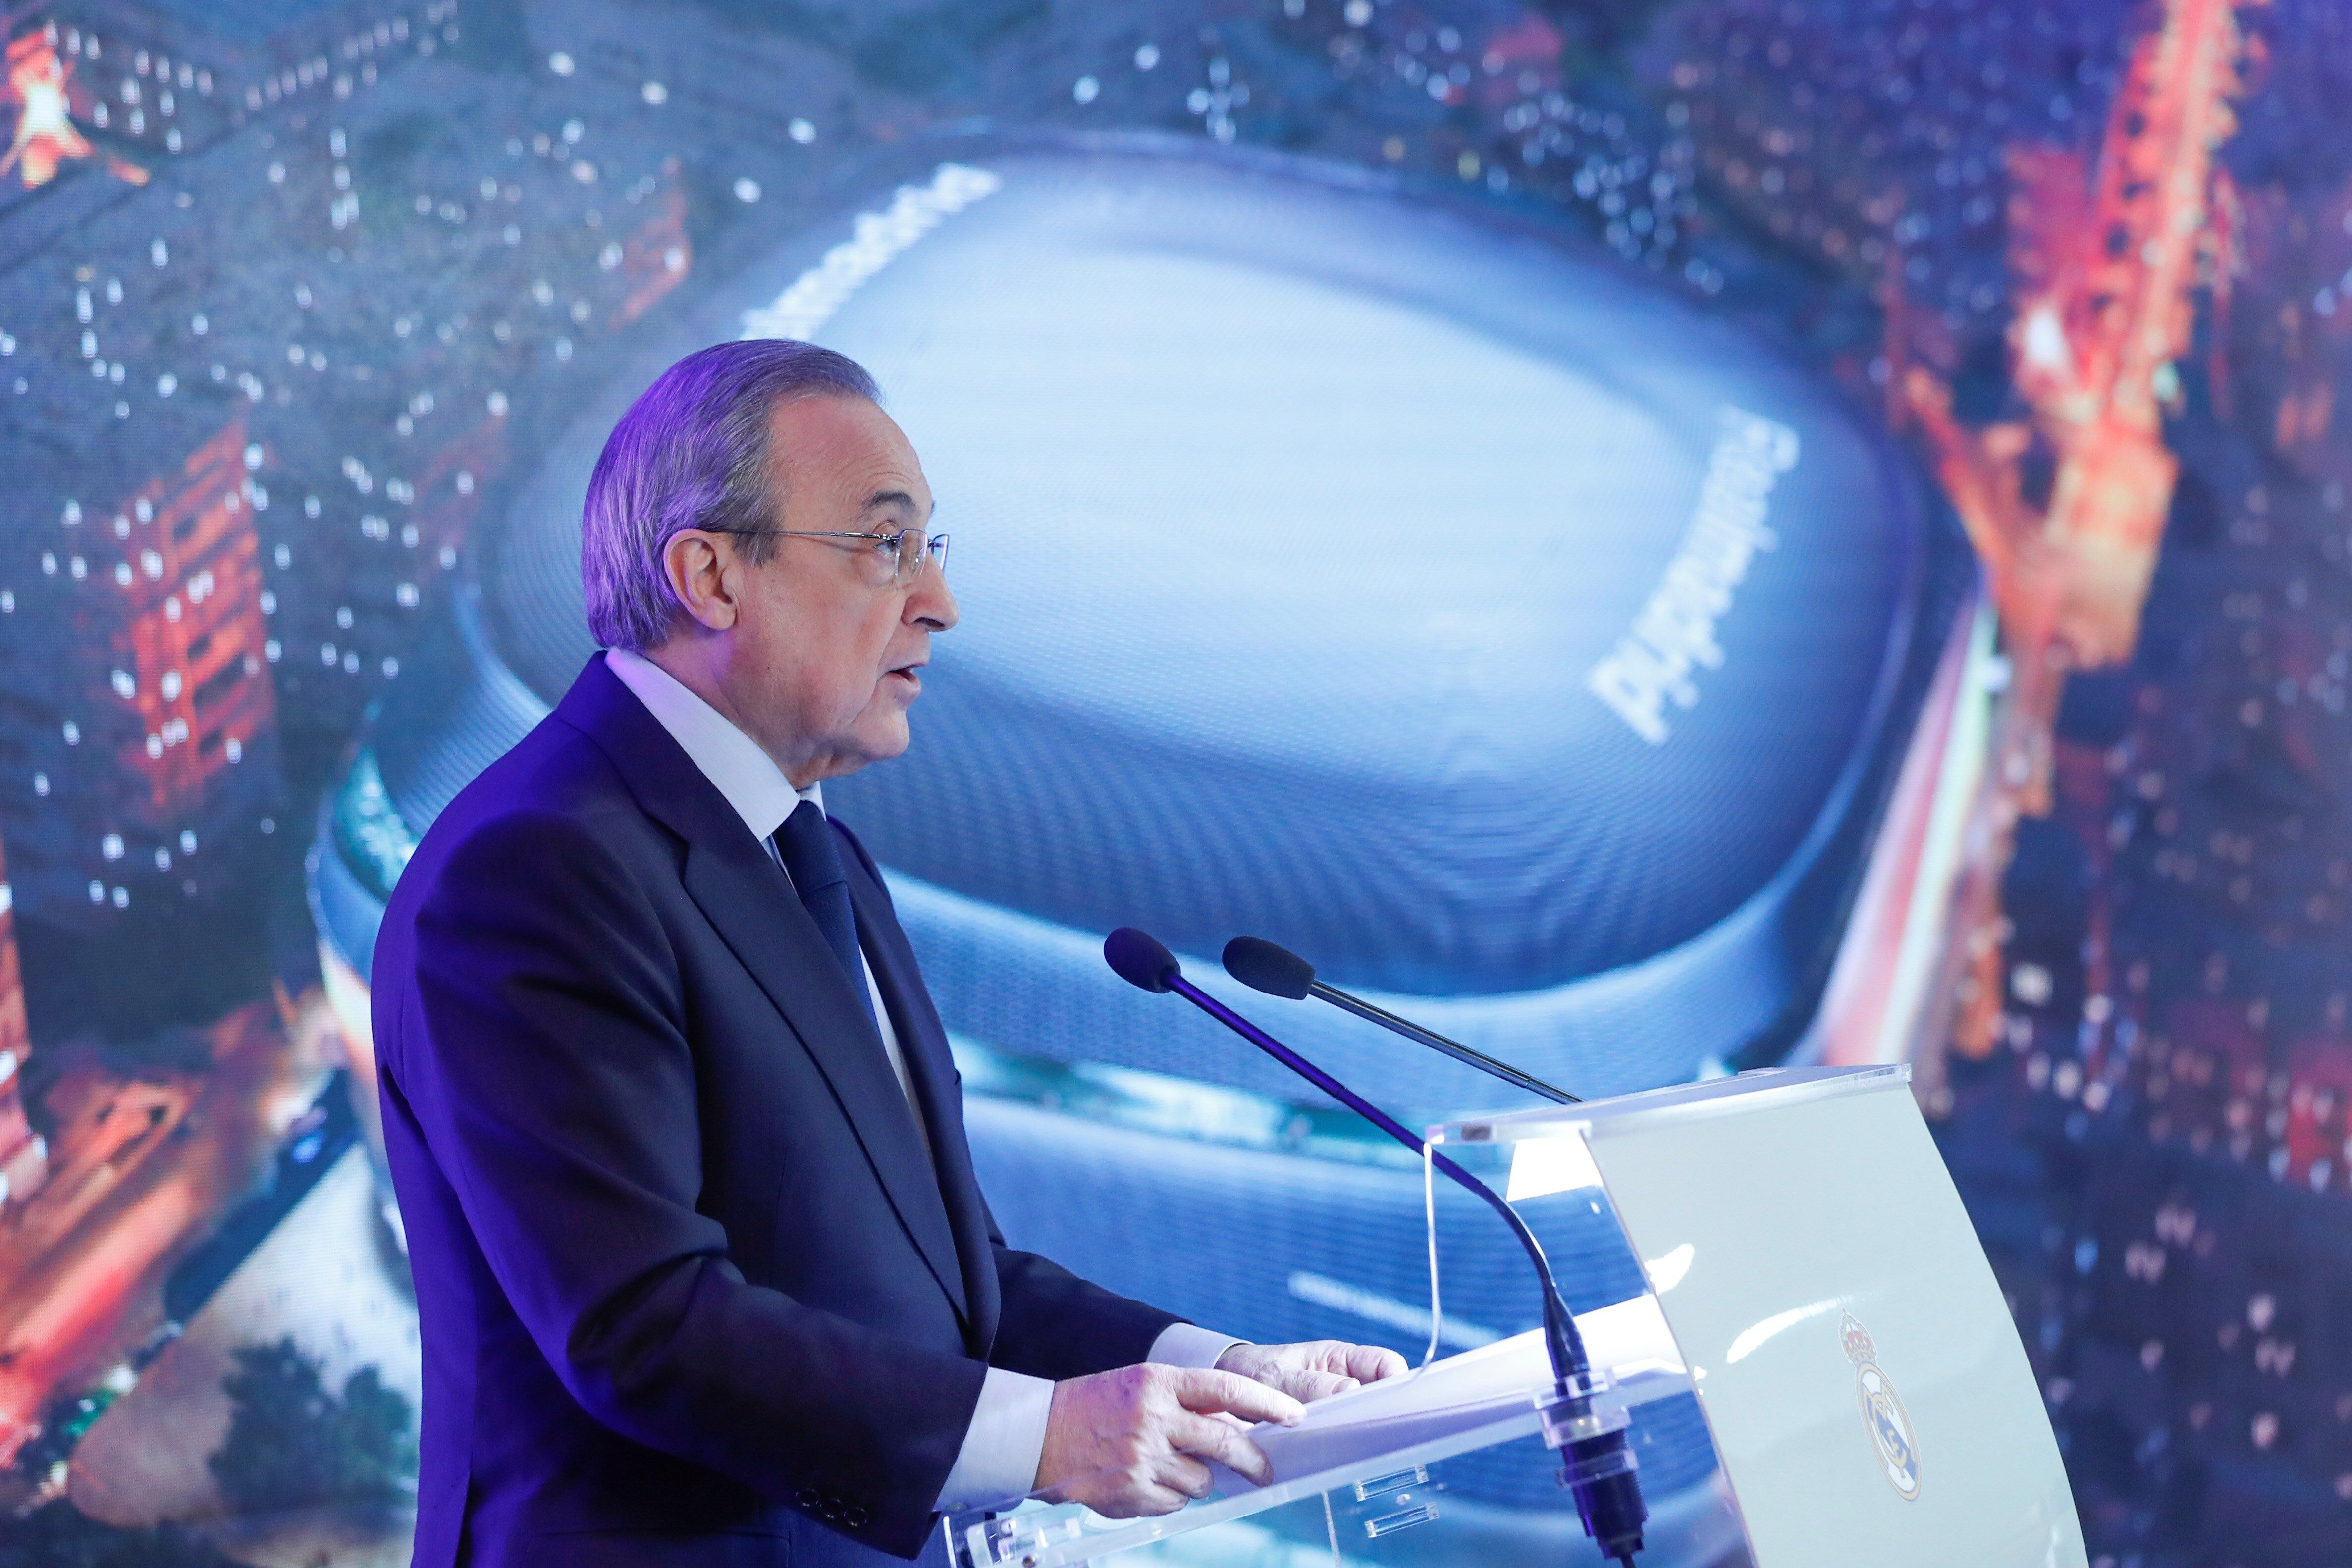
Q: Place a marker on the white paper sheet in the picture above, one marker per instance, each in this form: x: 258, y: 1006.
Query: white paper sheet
x: 1629, y: 1339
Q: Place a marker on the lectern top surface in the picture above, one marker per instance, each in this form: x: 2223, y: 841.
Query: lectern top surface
x: 1761, y: 1089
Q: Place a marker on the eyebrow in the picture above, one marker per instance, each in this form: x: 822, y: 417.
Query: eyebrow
x: 890, y: 498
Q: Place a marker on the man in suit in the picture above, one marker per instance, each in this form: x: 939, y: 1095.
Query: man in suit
x: 704, y: 1274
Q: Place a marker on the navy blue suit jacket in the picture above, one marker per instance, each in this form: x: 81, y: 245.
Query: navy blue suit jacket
x: 688, y: 1282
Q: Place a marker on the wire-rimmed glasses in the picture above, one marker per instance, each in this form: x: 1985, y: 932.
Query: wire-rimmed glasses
x: 901, y: 552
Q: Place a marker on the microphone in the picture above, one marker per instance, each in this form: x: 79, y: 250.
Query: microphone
x: 1280, y: 972
x: 1597, y: 1467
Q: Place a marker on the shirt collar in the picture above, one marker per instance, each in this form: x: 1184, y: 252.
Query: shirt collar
x: 733, y: 762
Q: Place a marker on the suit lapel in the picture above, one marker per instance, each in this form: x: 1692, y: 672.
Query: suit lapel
x: 749, y: 901
x: 923, y: 1043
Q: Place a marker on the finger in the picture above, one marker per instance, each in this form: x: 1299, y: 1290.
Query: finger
x: 1186, y: 1433
x: 1141, y: 1499
x: 1308, y: 1387
x: 1181, y: 1472
x: 1157, y: 1499
x: 1247, y: 1459
x: 1370, y: 1363
x: 1315, y: 1354
x: 1203, y: 1392
x: 1211, y: 1438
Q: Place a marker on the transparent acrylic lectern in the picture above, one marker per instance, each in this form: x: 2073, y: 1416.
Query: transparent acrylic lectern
x: 1814, y: 1282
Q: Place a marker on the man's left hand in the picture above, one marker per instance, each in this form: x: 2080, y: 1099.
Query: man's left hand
x: 1313, y: 1370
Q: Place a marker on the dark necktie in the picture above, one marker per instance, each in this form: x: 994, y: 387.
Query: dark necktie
x: 812, y: 857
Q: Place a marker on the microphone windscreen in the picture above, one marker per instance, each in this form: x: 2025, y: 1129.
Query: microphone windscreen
x: 1263, y: 967
x: 1137, y: 958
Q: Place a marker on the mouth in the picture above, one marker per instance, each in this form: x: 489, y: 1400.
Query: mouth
x: 908, y: 676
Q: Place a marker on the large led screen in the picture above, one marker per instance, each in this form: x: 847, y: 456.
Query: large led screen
x: 1653, y: 536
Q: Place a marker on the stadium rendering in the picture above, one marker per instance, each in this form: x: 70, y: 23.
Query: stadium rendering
x: 1652, y: 622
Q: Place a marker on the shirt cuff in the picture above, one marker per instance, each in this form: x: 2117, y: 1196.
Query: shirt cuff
x: 1188, y: 1344
x: 998, y: 1462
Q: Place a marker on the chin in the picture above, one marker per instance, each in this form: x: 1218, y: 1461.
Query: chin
x: 887, y: 742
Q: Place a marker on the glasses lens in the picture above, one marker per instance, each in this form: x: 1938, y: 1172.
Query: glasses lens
x: 913, y: 547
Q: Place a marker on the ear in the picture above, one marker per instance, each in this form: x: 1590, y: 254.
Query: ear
x: 704, y: 575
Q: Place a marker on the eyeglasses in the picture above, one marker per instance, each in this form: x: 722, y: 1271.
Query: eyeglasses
x: 901, y: 553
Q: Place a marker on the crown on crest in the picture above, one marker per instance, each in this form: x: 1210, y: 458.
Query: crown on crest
x: 1859, y: 1348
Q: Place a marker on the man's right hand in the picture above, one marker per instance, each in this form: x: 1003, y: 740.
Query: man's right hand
x: 1131, y: 1442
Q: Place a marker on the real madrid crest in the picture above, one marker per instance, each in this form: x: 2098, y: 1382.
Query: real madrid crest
x: 1889, y: 1424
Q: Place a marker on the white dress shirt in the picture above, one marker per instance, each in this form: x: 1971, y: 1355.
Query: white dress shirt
x: 997, y: 1462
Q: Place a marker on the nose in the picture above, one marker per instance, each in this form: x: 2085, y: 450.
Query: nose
x: 930, y: 603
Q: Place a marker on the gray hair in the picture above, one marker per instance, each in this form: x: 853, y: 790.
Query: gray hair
x: 692, y: 452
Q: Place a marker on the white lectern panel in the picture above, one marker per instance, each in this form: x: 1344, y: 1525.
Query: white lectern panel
x: 1864, y: 1383
x: 1865, y: 1389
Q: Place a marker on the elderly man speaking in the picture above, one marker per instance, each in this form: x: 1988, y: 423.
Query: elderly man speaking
x: 704, y: 1272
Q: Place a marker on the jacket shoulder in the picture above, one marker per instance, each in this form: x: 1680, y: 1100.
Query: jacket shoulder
x: 556, y: 785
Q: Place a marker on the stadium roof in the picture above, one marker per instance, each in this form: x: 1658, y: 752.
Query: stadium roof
x: 1356, y: 570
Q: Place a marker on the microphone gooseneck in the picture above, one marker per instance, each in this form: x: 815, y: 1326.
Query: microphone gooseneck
x: 1279, y: 972
x: 1600, y: 1469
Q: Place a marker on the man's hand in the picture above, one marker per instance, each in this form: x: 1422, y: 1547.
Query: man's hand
x: 1124, y: 1442
x: 1313, y: 1370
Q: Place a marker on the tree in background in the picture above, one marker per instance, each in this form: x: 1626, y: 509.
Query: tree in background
x: 293, y: 1443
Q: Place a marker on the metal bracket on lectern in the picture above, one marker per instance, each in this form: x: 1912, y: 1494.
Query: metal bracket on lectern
x: 1017, y: 1539
x: 1573, y: 1417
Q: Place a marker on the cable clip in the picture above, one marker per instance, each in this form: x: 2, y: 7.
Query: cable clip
x: 1574, y: 1418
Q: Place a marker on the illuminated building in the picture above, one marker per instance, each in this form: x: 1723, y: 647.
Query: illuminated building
x: 24, y: 1154
x: 44, y: 134
x: 148, y: 78
x: 149, y: 739
x: 192, y: 635
x: 39, y: 87
x: 136, y: 77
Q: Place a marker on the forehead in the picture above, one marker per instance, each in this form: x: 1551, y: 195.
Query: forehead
x: 841, y: 451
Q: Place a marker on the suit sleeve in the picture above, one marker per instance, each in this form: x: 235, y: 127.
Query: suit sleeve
x: 544, y: 1057
x: 1057, y: 1325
